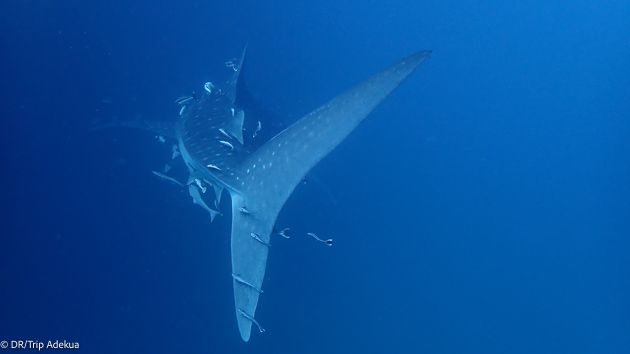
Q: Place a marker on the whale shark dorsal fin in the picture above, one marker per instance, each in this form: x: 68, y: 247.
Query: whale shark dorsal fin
x: 232, y: 86
x: 265, y: 180
x: 234, y: 126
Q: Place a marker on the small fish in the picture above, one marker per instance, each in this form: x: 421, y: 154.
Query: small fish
x: 328, y: 242
x: 224, y: 133
x: 284, y: 233
x: 208, y: 86
x: 231, y: 64
x: 198, y: 182
x: 160, y: 138
x: 167, y: 178
x: 257, y: 238
x: 242, y: 281
x: 213, y: 166
x: 227, y: 144
x: 244, y: 210
x: 181, y: 111
x: 258, y: 126
x: 184, y: 99
x: 244, y: 314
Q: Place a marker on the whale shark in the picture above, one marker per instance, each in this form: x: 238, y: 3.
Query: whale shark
x: 227, y: 145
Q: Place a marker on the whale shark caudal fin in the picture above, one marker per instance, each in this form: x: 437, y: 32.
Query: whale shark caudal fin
x: 265, y: 180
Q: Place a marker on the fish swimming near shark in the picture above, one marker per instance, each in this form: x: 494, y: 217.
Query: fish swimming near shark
x: 258, y: 170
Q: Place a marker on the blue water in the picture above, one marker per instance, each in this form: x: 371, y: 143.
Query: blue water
x: 483, y: 208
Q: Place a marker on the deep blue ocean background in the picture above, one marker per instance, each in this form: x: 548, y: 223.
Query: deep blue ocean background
x: 483, y: 208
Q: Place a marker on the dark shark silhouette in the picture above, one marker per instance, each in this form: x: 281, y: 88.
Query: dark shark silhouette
x: 261, y: 173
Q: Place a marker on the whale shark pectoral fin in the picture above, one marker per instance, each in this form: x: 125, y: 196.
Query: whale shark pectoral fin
x: 235, y: 126
x: 193, y: 190
x: 218, y: 191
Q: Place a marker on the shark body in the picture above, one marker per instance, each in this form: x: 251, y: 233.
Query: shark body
x: 222, y: 143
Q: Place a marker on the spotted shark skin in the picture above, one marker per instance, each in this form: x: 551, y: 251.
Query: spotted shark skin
x: 261, y: 175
